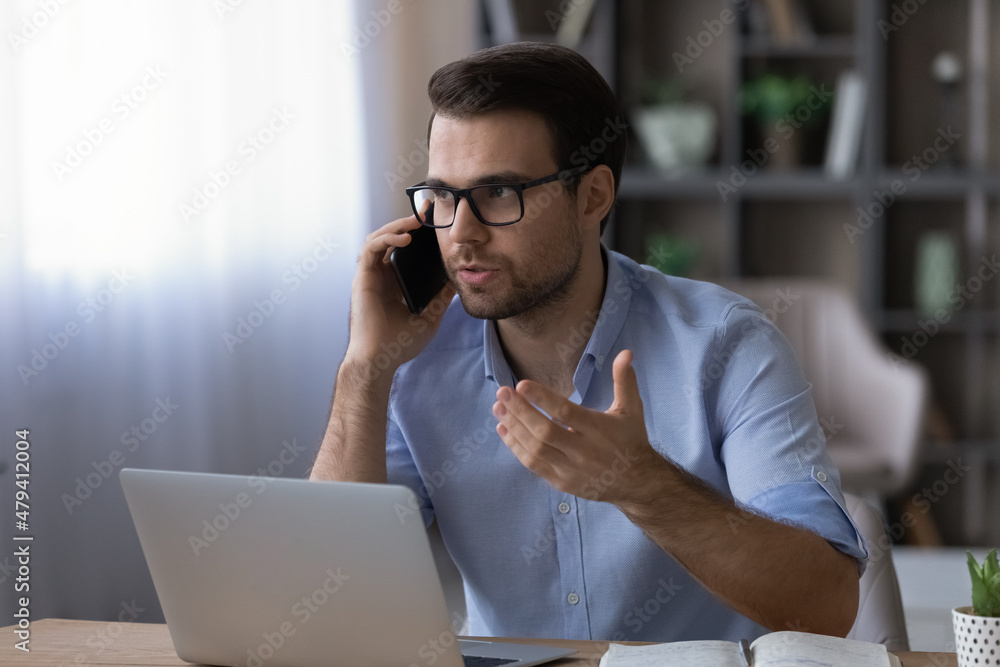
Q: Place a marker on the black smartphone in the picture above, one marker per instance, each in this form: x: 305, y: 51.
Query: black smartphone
x: 419, y: 268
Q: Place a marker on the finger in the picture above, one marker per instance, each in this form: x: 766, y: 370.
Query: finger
x: 380, y: 245
x: 529, y: 425
x: 528, y: 458
x: 532, y: 452
x: 397, y: 226
x: 627, y: 400
x: 385, y: 238
x: 561, y: 409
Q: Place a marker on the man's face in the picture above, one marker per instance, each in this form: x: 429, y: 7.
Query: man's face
x: 501, y: 272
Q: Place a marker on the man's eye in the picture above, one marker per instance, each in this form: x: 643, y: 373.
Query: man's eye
x: 441, y: 195
x: 501, y: 191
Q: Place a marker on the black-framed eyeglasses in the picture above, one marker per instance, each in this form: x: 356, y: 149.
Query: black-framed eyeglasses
x: 494, y: 204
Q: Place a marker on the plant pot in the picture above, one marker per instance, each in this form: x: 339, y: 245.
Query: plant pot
x: 977, y: 638
x: 677, y: 137
x: 788, y: 156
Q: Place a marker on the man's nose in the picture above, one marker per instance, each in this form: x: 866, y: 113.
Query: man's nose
x: 466, y: 228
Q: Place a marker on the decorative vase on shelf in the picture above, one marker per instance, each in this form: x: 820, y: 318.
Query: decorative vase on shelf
x: 677, y: 136
x: 936, y: 273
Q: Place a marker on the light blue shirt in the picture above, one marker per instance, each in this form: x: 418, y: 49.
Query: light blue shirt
x: 723, y: 398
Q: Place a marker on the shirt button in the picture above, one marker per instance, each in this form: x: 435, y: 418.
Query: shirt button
x: 564, y: 508
x: 572, y: 598
x: 821, y: 476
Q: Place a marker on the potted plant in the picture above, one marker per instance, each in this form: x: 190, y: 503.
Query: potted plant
x: 677, y: 135
x: 674, y: 255
x: 977, y: 628
x: 785, y: 110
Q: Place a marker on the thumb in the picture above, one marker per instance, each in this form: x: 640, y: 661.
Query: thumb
x: 626, y: 385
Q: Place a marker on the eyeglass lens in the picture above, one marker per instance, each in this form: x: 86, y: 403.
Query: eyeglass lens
x: 497, y: 204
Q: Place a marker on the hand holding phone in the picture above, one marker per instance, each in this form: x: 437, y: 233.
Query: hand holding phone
x: 378, y: 316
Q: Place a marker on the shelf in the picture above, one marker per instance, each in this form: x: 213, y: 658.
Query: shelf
x: 903, y: 320
x: 802, y: 184
x: 650, y: 183
x: 978, y: 451
x: 941, y: 184
x: 829, y: 46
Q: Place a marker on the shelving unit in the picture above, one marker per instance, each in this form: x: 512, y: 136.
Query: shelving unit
x: 790, y: 223
x: 754, y: 231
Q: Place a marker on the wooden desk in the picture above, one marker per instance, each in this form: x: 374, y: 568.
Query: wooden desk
x: 61, y: 643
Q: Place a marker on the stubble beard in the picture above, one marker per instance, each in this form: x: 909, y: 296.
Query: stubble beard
x: 528, y: 291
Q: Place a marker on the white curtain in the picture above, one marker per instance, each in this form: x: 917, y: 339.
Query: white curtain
x: 184, y: 185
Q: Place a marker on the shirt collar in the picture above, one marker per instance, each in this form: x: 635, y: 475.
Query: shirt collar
x: 608, y: 325
x: 602, y: 330
x: 497, y: 368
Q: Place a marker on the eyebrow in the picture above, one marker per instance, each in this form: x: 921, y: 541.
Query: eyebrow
x: 498, y: 178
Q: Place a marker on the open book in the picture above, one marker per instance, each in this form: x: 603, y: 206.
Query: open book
x: 776, y: 648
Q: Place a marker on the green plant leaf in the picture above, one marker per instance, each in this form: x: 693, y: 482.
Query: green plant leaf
x: 661, y: 90
x: 990, y: 566
x: 992, y: 607
x: 978, y: 585
x: 991, y: 580
x: 985, y: 584
x: 770, y: 97
x: 974, y: 569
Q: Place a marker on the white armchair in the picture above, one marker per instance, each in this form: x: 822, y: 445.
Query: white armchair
x: 880, y: 616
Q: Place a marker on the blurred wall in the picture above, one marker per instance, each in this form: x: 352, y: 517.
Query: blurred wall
x: 135, y: 332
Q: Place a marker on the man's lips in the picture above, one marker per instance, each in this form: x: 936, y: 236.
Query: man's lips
x: 474, y: 267
x: 476, y: 274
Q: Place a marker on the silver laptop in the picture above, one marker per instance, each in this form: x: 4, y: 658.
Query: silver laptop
x: 262, y: 572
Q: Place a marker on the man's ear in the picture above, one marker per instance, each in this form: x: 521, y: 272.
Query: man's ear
x: 595, y: 195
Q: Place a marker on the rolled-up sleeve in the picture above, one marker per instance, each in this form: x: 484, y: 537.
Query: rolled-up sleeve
x: 817, y: 505
x: 773, y: 447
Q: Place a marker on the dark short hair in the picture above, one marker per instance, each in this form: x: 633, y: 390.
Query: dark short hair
x: 580, y: 109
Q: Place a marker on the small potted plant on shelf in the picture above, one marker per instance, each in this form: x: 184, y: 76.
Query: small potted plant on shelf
x: 977, y: 628
x: 786, y: 112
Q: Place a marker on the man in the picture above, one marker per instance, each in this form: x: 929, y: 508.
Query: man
x: 610, y: 453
